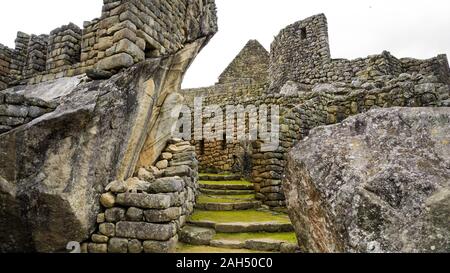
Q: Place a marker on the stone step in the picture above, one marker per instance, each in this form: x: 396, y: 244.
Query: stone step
x: 227, y: 185
x: 219, y: 177
x: 266, y: 242
x: 241, y: 221
x: 226, y: 192
x: 186, y: 248
x: 215, y: 206
x: 263, y: 245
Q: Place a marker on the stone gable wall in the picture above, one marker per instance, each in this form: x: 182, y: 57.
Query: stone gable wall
x: 251, y: 63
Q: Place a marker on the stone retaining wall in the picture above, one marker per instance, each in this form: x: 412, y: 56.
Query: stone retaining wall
x: 302, y: 108
x: 146, y: 212
x: 5, y: 62
x: 37, y: 55
x: 64, y: 47
x: 16, y: 110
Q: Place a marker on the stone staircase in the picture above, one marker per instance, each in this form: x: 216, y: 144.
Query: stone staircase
x: 229, y: 219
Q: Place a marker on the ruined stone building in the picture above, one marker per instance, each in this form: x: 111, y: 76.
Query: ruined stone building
x: 312, y: 89
x: 87, y: 152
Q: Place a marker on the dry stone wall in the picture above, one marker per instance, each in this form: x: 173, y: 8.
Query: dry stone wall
x: 19, y: 56
x: 5, y: 62
x: 145, y: 213
x: 37, y: 55
x: 127, y: 32
x: 64, y: 47
x: 16, y: 110
x: 252, y: 63
x: 311, y: 90
x: 301, y: 53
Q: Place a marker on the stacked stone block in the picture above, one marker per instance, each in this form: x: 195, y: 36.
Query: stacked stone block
x: 19, y: 56
x: 16, y: 110
x: 130, y: 31
x: 378, y: 81
x: 300, y: 53
x: 146, y: 212
x: 127, y: 32
x: 64, y: 48
x: 5, y: 62
x: 37, y: 55
x: 300, y: 49
x: 252, y: 63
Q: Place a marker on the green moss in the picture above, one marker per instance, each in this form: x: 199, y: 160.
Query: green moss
x: 215, y: 174
x: 202, y: 199
x: 288, y: 237
x: 183, y: 248
x: 228, y: 182
x: 239, y: 216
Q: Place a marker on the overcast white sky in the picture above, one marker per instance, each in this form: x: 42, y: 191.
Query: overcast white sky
x: 357, y: 28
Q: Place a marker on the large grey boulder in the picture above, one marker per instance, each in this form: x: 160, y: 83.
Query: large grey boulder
x: 378, y: 182
x: 54, y: 168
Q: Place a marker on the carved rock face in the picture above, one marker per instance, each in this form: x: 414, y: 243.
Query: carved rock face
x: 53, y: 169
x: 378, y: 182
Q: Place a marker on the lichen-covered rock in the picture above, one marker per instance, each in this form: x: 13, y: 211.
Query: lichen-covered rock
x: 378, y: 182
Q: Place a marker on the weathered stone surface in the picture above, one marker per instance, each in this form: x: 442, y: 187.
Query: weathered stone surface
x: 108, y: 200
x: 161, y: 216
x: 115, y: 62
x: 118, y: 245
x: 167, y: 185
x: 97, y: 248
x: 178, y: 171
x: 114, y: 215
x: 117, y: 187
x: 135, y: 185
x: 197, y: 235
x: 107, y: 229
x: 163, y: 164
x: 135, y: 246
x: 144, y: 200
x: 263, y: 244
x: 145, y: 175
x: 99, y: 239
x: 161, y: 246
x: 135, y: 214
x: 378, y: 182
x: 145, y: 231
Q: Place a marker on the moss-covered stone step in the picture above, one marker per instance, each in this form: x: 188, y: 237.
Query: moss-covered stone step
x: 242, y: 221
x: 287, y: 237
x: 227, y: 185
x: 226, y: 192
x: 204, y: 198
x: 260, y: 245
x: 285, y: 242
x: 219, y: 177
x: 229, y: 206
x: 184, y: 248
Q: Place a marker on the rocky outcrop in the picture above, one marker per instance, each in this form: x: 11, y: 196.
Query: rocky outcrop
x: 54, y: 168
x: 378, y: 182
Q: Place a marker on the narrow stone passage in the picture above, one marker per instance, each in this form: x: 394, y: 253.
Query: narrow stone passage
x: 228, y: 218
